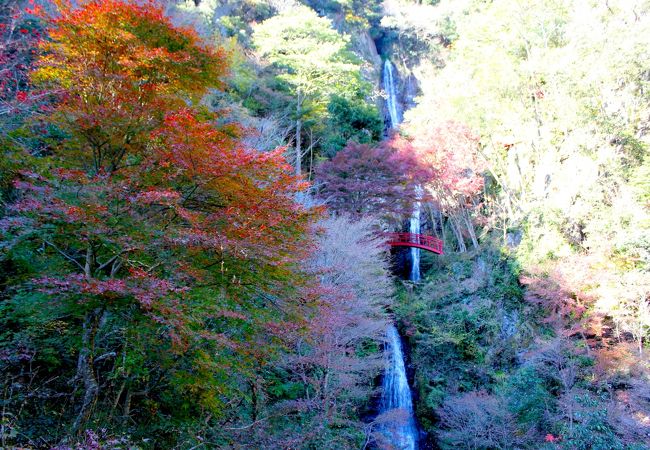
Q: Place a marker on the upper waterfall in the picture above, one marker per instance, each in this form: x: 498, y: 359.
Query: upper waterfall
x: 392, y: 103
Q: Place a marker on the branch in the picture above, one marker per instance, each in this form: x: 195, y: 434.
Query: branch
x: 65, y: 255
x: 252, y: 424
x: 189, y: 194
x: 105, y: 356
x: 110, y: 261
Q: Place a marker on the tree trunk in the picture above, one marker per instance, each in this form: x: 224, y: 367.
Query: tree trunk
x: 90, y: 259
x: 640, y: 332
x: 298, y: 135
x: 311, y: 154
x: 455, y: 226
x: 298, y: 147
x: 470, y: 228
x: 85, y: 368
x: 441, y: 219
x: 434, y: 220
x: 258, y: 398
x: 126, y: 410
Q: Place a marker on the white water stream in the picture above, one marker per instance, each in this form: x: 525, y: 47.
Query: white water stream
x: 391, y: 97
x: 414, y: 227
x: 402, y: 432
x: 393, y: 106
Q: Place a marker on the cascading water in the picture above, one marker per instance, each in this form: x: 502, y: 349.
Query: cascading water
x: 391, y: 97
x: 414, y: 227
x: 403, y: 432
x: 392, y: 104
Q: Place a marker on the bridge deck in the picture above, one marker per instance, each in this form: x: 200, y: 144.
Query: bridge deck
x: 423, y: 241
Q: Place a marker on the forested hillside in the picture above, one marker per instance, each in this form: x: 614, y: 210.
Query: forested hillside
x: 198, y: 208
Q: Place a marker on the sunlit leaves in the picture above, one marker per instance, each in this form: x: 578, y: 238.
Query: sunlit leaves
x: 121, y: 65
x: 313, y: 56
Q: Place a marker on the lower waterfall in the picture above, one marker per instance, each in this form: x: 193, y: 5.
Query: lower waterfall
x: 403, y: 432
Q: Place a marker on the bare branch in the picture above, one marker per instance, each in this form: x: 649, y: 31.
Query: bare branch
x: 65, y: 255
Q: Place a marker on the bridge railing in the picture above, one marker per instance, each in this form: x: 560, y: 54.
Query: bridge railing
x: 421, y: 240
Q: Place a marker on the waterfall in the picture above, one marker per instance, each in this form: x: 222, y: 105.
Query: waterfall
x: 414, y: 227
x: 403, y: 433
x: 392, y: 104
x: 391, y: 96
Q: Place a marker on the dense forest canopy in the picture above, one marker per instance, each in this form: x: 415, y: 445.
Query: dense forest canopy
x: 194, y: 205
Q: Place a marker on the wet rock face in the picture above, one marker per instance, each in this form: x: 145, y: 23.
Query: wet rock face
x: 411, y: 90
x: 363, y: 45
x: 514, y: 238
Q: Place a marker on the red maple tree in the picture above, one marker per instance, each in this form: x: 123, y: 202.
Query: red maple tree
x: 159, y: 218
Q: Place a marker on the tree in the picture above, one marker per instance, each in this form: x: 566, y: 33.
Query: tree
x: 315, y: 393
x: 446, y: 165
x: 313, y: 59
x: 144, y: 64
x: 367, y: 180
x: 20, y: 32
x: 351, y: 120
x: 631, y: 306
x: 477, y: 420
x: 152, y: 232
x: 341, y: 356
x: 436, y: 164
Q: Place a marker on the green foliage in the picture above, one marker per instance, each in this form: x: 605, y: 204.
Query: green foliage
x: 7, y: 174
x: 118, y: 309
x: 530, y: 397
x: 466, y: 326
x: 309, y: 54
x: 559, y: 93
x: 351, y: 120
x: 640, y: 180
x: 560, y: 103
x: 282, y: 387
x: 590, y: 430
x: 313, y: 63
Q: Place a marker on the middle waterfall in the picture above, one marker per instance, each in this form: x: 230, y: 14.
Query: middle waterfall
x: 414, y: 227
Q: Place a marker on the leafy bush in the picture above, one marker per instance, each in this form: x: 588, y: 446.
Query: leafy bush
x: 351, y: 120
x: 588, y: 427
x: 530, y: 398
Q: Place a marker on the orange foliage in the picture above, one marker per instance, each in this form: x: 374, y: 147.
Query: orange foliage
x: 154, y: 177
x: 119, y: 67
x: 252, y: 192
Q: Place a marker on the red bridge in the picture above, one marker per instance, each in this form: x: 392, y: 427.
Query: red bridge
x: 423, y: 241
